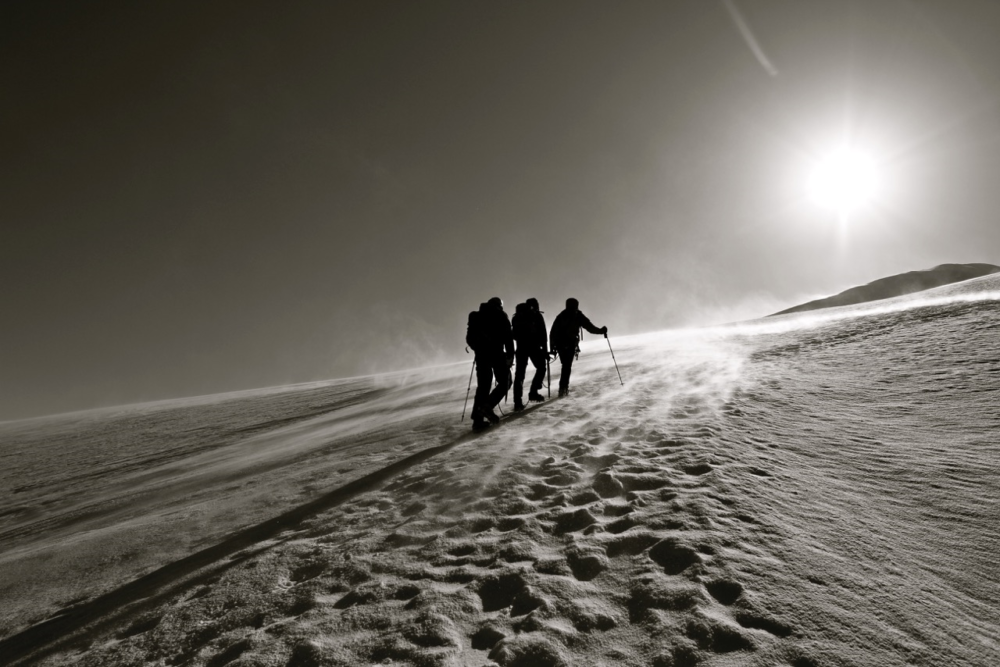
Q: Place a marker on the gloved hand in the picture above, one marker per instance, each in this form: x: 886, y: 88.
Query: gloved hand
x: 604, y: 330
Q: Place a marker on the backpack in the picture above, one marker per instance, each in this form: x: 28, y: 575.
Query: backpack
x: 564, y: 334
x: 521, y: 322
x: 474, y: 331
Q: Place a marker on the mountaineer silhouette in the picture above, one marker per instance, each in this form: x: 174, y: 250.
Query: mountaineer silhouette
x: 564, y: 339
x: 532, y: 343
x: 489, y: 336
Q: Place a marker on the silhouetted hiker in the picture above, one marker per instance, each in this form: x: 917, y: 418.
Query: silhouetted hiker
x: 489, y: 335
x: 564, y: 338
x: 532, y: 343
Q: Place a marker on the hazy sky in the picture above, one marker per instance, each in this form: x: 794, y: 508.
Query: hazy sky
x: 206, y: 196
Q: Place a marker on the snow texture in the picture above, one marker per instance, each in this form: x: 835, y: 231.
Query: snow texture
x: 806, y: 490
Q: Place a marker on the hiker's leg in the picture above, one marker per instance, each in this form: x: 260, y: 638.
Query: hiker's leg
x: 521, y: 365
x: 566, y: 358
x: 538, y: 360
x: 484, y: 382
x: 501, y: 371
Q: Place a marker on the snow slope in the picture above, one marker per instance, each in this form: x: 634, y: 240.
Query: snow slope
x: 898, y: 285
x: 817, y: 489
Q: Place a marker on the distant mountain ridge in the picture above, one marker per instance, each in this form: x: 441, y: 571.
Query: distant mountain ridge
x: 898, y: 285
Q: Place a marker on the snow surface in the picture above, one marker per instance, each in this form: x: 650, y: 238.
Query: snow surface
x: 817, y: 489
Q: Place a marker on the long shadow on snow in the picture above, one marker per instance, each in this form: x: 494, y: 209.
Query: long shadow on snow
x: 224, y: 438
x: 72, y: 625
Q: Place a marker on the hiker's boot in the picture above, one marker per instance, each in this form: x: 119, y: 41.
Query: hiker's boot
x: 518, y: 405
x: 478, y: 420
x: 563, y: 391
x: 492, y: 416
x: 535, y: 397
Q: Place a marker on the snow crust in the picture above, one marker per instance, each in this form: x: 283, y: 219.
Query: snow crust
x: 817, y: 489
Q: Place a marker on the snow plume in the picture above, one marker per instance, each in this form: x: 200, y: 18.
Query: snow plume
x: 717, y: 310
x: 682, y: 379
x: 785, y: 323
x: 667, y: 371
x: 385, y: 339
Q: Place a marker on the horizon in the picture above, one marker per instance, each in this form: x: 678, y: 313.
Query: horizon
x: 766, y: 324
x: 224, y: 197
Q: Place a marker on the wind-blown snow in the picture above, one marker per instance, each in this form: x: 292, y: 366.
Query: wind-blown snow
x: 899, y: 285
x: 801, y: 490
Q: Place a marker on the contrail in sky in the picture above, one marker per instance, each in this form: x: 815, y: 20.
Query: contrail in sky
x: 751, y: 41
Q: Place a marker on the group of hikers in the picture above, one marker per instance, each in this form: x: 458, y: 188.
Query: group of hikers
x: 492, y: 336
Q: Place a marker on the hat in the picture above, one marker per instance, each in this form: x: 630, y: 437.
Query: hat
x: 572, y: 304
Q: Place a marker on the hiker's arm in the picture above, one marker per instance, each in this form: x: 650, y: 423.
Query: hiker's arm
x: 589, y: 326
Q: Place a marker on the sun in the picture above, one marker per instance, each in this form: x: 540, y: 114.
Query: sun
x: 844, y: 181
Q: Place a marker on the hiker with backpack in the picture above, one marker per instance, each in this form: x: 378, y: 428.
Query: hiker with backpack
x: 532, y: 343
x: 489, y: 336
x: 564, y: 339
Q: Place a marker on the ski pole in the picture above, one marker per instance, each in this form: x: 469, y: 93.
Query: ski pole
x: 614, y: 360
x: 467, y: 391
x: 510, y: 381
x: 548, y: 374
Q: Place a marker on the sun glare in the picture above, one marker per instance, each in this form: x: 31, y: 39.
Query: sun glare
x: 844, y: 181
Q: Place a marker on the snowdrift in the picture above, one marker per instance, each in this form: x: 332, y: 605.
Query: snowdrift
x: 899, y: 285
x: 816, y: 489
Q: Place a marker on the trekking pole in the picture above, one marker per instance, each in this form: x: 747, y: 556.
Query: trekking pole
x: 548, y: 374
x: 614, y: 360
x: 467, y: 391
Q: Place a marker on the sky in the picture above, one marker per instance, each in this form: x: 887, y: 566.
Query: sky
x: 199, y: 197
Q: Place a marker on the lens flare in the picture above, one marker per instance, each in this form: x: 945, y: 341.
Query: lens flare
x: 844, y: 181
